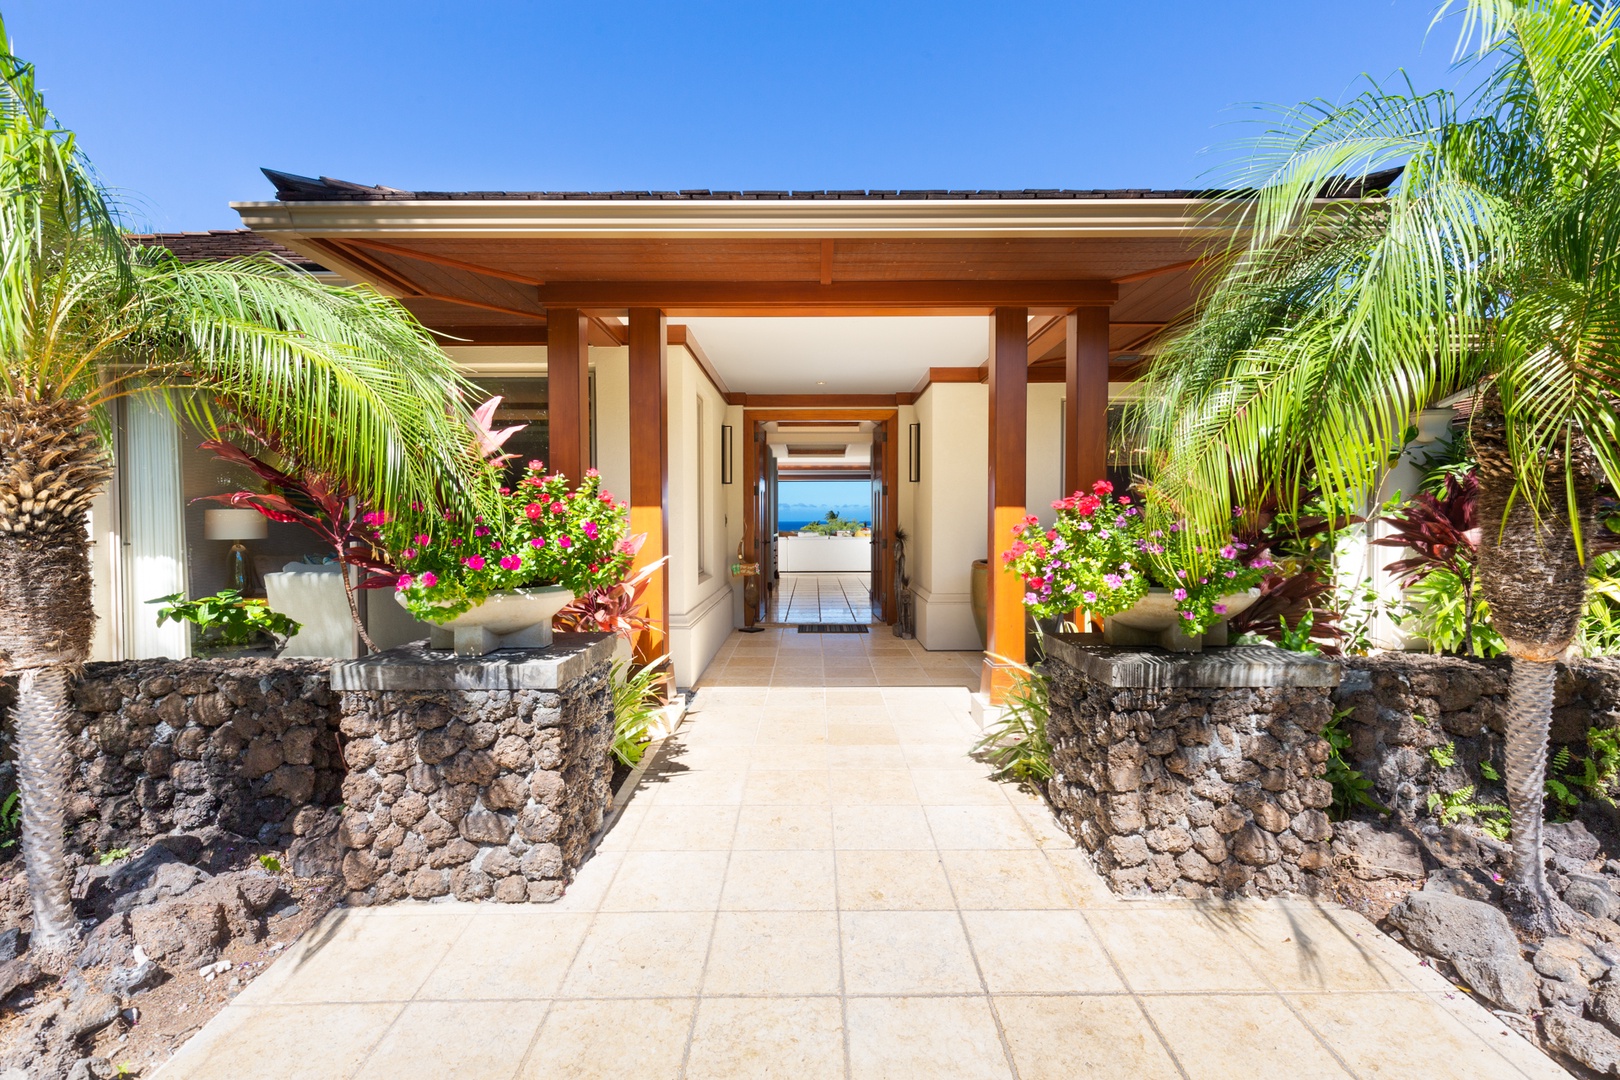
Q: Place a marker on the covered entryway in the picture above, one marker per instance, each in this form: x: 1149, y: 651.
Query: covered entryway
x: 1011, y: 314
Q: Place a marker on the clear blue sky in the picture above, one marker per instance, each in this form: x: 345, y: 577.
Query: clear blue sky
x: 807, y: 500
x: 179, y: 103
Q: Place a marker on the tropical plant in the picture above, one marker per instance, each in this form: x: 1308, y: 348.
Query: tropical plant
x: 1395, y: 250
x: 1442, y: 532
x: 833, y: 524
x: 345, y: 375
x: 539, y: 532
x: 637, y: 698
x: 1100, y: 555
x: 227, y: 618
x: 327, y: 507
x: 1017, y: 743
x: 1351, y: 789
x: 619, y: 608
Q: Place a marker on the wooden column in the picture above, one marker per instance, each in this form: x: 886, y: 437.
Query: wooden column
x: 568, y: 392
x: 1085, y: 401
x: 649, y: 466
x: 1009, y: 409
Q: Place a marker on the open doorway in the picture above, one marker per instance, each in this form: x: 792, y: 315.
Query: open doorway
x: 820, y: 518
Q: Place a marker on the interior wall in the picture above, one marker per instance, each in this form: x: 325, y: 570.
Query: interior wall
x: 731, y: 503
x: 700, y: 600
x: 1043, y: 469
x: 952, y: 511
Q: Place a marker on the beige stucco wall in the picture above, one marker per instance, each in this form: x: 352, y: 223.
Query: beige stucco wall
x: 951, y: 511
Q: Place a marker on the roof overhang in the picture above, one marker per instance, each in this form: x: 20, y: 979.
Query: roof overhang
x: 1112, y: 218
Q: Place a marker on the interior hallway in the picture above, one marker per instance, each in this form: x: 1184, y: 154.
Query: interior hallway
x: 821, y: 598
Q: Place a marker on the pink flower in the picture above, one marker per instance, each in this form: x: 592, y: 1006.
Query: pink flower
x: 1220, y: 609
x: 510, y: 562
x: 422, y: 538
x: 536, y: 465
x: 456, y: 542
x: 534, y: 510
x: 556, y: 508
x: 429, y: 579
x: 564, y: 542
x: 403, y: 583
x: 538, y: 542
x: 474, y: 562
x: 481, y: 531
x: 408, y: 553
x: 417, y: 507
x: 1090, y: 596
x: 592, y: 472
x: 496, y: 544
x: 1228, y: 552
x: 590, y: 529
x: 1187, y: 615
x: 1180, y: 594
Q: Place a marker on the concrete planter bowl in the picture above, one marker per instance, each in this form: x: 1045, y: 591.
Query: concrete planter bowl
x: 515, y: 619
x: 1153, y: 620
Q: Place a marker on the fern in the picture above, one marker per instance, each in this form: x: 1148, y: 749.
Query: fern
x: 1444, y: 757
x: 1350, y: 788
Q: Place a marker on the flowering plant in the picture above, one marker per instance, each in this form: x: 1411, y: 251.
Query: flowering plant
x: 535, y: 534
x: 1089, y: 559
x: 1101, y: 555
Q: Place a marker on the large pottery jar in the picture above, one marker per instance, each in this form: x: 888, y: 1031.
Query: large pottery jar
x: 979, y: 596
x: 515, y: 619
x: 1154, y: 620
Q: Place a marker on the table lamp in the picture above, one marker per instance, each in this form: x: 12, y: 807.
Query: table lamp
x: 235, y: 525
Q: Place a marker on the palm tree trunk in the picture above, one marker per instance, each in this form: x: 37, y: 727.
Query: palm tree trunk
x: 51, y: 466
x: 1531, y: 574
x: 43, y: 763
x: 1529, y: 718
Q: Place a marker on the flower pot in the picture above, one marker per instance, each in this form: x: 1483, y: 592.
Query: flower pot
x: 516, y: 619
x: 1154, y: 620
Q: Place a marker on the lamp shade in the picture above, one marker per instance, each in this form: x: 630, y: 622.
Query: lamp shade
x: 233, y: 524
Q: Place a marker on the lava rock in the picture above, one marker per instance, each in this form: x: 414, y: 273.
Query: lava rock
x: 1605, y: 1005
x: 1592, y: 896
x: 109, y: 943
x: 1469, y: 884
x: 1373, y: 854
x: 1567, y: 959
x: 169, y: 880
x: 126, y: 982
x: 8, y: 945
x: 180, y: 933
x: 16, y: 973
x: 1474, y: 938
x: 1572, y: 840
x: 95, y: 1011
x: 1593, y: 1045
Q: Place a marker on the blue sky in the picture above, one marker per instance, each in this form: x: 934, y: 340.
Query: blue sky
x: 805, y: 500
x: 179, y: 103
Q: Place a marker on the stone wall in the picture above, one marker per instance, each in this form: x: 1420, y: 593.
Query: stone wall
x: 492, y: 789
x: 1400, y: 706
x: 1193, y: 774
x: 249, y: 745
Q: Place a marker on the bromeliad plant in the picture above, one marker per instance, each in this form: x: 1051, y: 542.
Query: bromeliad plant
x: 1102, y: 553
x: 536, y: 534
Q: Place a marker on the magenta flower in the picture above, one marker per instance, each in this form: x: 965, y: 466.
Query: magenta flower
x: 564, y: 542
x: 1090, y: 596
x: 403, y: 583
x: 456, y: 542
x: 536, y: 465
x: 1220, y: 609
x: 474, y: 562
x: 1180, y: 594
x: 1228, y: 552
x: 590, y: 529
x: 422, y: 538
x: 408, y: 553
x: 511, y: 562
x: 1187, y: 615
x: 480, y: 531
x: 538, y: 542
x: 429, y: 579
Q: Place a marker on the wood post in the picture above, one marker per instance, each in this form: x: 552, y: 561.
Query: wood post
x: 1008, y: 376
x: 649, y: 467
x: 1085, y: 408
x: 568, y: 392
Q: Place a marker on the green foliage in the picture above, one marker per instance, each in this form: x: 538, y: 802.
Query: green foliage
x: 1438, y: 614
x: 1451, y: 807
x: 1351, y: 789
x: 636, y: 702
x: 1444, y: 757
x: 1297, y: 638
x: 1489, y: 772
x: 227, y: 618
x: 832, y: 525
x: 112, y: 855
x: 1573, y: 779
x: 1017, y: 743
x: 10, y: 819
x: 1599, y: 634
x: 270, y: 863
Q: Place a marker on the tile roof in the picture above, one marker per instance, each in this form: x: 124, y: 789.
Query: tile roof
x: 218, y: 244
x: 291, y: 187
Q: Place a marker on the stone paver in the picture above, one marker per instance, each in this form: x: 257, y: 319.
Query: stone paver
x: 819, y: 882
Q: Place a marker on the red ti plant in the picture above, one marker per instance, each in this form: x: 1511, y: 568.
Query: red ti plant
x: 1443, y: 534
x: 324, y: 507
x: 618, y: 608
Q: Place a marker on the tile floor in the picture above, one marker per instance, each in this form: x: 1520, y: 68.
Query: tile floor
x: 828, y: 598
x: 817, y: 881
x: 780, y: 656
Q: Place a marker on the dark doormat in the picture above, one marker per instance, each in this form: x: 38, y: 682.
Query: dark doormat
x: 831, y: 628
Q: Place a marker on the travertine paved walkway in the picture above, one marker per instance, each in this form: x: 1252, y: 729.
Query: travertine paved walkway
x: 820, y: 883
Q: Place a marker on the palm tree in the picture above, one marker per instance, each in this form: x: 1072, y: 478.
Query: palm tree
x: 345, y: 376
x: 1476, y: 253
